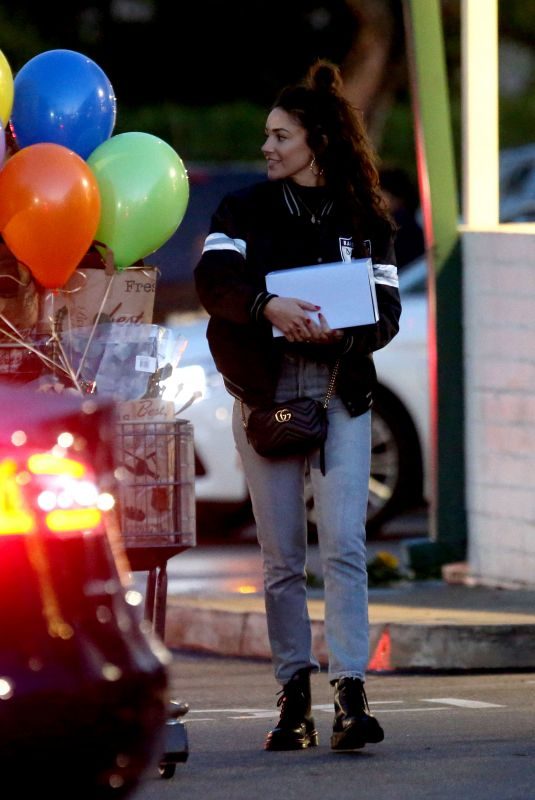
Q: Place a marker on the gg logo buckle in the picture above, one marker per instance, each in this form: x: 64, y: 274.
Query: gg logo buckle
x: 283, y: 415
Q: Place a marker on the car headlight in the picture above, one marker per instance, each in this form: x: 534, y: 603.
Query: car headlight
x: 191, y: 383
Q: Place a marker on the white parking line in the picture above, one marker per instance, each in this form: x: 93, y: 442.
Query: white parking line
x: 237, y: 710
x: 264, y: 714
x: 456, y: 701
x: 330, y: 707
x: 257, y: 715
x: 411, y: 710
x: 440, y: 704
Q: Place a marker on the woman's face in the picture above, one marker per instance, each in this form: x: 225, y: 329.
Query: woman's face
x: 286, y: 150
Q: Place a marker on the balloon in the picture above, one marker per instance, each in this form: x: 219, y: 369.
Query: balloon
x: 6, y: 89
x: 2, y: 144
x: 49, y: 210
x: 63, y: 97
x: 144, y: 192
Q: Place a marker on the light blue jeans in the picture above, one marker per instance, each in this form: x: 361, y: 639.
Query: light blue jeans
x: 276, y: 487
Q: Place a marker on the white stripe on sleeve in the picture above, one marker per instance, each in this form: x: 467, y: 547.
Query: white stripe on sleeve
x: 220, y: 241
x: 386, y: 274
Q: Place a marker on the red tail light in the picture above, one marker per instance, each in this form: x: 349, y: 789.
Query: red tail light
x: 15, y: 516
x: 48, y: 490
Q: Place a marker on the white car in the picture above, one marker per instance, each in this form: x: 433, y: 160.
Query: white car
x: 517, y: 184
x: 400, y: 415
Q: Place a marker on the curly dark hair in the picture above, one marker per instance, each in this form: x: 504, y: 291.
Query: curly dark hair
x: 343, y: 151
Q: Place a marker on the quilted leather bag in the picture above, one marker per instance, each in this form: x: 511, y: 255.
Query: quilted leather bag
x: 298, y: 426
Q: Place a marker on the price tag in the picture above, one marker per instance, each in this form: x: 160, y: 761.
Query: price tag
x: 145, y: 364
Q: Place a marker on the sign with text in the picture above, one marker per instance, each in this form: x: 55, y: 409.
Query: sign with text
x: 123, y: 297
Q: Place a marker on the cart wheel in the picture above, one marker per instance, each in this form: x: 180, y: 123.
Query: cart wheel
x: 167, y: 770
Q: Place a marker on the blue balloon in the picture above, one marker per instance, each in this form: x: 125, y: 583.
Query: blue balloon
x: 63, y: 97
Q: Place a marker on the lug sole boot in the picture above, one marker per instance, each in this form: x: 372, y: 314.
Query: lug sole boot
x: 354, y: 725
x: 295, y: 729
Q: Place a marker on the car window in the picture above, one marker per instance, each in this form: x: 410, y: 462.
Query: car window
x: 413, y: 278
x: 208, y: 185
x: 517, y: 184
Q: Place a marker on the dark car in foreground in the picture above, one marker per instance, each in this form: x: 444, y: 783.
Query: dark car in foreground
x: 83, y: 689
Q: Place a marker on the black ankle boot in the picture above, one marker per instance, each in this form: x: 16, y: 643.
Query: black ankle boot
x: 295, y: 729
x: 354, y: 724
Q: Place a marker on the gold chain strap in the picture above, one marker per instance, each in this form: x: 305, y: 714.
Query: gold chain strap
x: 332, y: 381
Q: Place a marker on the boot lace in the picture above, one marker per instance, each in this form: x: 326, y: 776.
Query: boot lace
x: 355, y: 693
x: 365, y: 699
x: 291, y: 704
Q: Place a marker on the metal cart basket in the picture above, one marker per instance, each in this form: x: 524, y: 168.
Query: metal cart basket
x: 156, y: 501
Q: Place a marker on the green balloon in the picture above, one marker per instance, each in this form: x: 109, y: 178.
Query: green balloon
x: 144, y: 193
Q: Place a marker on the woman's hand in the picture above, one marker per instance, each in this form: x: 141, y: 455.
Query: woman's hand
x: 290, y: 315
x: 328, y: 335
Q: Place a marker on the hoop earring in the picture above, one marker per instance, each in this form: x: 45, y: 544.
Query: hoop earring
x: 313, y: 167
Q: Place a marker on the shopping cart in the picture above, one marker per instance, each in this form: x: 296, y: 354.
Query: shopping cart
x: 156, y: 502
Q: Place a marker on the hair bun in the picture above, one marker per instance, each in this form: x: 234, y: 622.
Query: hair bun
x: 324, y: 76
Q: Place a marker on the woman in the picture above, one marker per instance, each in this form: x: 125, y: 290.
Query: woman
x: 321, y: 203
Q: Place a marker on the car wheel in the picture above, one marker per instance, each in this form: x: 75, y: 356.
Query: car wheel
x: 396, y: 465
x: 166, y: 770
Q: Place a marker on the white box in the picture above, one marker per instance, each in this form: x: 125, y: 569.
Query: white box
x: 345, y: 290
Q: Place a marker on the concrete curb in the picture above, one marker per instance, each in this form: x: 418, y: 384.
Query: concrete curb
x: 405, y: 647
x: 237, y: 627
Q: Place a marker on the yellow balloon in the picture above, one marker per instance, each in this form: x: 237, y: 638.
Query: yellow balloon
x: 6, y: 89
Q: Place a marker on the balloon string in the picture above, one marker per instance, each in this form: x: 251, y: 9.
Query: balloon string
x: 68, y: 368
x: 57, y: 341
x: 52, y: 318
x: 17, y: 280
x: 75, y: 289
x: 145, y: 270
x: 97, y: 319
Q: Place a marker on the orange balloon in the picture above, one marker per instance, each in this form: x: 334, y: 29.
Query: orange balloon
x: 49, y: 210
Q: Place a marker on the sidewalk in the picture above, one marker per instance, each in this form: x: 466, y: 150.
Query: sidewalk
x: 215, y: 605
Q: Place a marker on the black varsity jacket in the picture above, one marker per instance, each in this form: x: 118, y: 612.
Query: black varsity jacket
x: 264, y: 228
